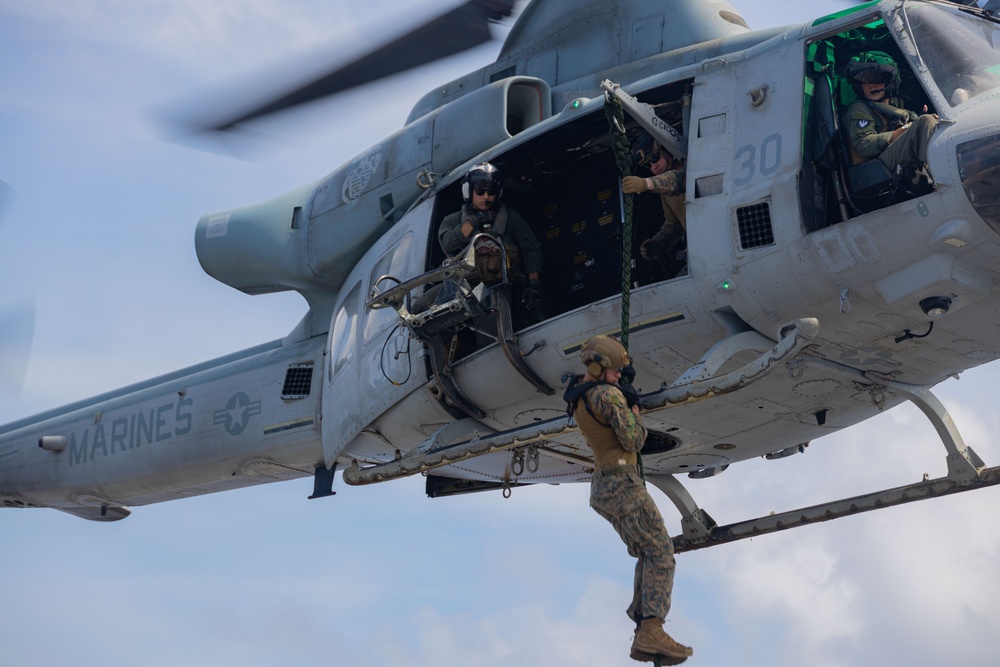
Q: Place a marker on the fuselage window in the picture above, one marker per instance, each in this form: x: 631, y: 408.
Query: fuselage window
x: 345, y: 330
x: 395, y: 263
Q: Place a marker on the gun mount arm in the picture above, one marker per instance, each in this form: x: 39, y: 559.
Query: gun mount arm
x: 645, y: 115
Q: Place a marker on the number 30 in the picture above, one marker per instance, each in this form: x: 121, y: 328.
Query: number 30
x: 746, y: 159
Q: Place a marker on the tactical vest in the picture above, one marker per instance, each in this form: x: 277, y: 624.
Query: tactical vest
x: 600, y: 436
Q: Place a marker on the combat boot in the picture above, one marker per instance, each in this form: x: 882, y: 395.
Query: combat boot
x: 661, y: 242
x: 651, y: 639
x: 649, y: 657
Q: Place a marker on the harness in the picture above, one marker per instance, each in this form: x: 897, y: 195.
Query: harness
x: 577, y: 390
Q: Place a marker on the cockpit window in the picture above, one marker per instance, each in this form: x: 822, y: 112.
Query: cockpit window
x: 961, y: 50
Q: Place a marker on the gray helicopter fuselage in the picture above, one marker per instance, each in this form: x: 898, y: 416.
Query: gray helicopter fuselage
x: 348, y: 385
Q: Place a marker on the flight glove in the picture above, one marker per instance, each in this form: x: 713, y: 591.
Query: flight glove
x: 633, y: 185
x: 532, y: 297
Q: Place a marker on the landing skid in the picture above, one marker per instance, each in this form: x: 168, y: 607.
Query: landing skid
x: 699, y: 534
x: 966, y: 472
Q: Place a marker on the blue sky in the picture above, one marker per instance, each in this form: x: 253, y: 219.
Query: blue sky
x: 98, y: 240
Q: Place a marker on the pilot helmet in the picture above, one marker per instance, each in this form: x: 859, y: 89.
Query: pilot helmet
x: 645, y: 150
x: 601, y: 353
x: 483, y: 176
x: 873, y: 67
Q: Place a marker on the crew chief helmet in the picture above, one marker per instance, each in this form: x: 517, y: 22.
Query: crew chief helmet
x: 483, y: 177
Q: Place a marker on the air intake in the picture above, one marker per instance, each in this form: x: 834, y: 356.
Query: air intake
x: 298, y: 382
x: 755, y: 226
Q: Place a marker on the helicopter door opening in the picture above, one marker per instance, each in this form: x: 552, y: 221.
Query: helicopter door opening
x: 837, y: 183
x: 566, y: 185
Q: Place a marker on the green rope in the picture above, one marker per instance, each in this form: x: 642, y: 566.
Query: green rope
x: 623, y: 158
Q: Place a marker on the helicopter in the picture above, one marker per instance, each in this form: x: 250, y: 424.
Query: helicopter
x: 516, y: 163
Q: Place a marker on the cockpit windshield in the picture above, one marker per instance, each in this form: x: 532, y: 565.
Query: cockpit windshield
x: 961, y: 50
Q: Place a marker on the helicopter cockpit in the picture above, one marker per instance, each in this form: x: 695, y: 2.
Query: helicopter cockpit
x: 946, y: 56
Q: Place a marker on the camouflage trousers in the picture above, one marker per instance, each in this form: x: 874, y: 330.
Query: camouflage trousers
x: 622, y: 499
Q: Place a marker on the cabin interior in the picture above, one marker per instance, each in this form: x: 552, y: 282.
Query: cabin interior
x: 566, y: 185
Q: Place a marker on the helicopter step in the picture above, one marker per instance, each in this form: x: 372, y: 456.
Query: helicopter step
x: 698, y: 382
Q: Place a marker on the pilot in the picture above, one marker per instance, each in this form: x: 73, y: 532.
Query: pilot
x: 877, y: 126
x: 668, y: 180
x: 485, y: 211
x: 615, y: 434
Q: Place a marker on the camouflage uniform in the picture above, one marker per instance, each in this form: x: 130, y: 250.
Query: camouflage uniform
x: 870, y: 126
x: 669, y: 182
x: 617, y: 493
x: 670, y: 186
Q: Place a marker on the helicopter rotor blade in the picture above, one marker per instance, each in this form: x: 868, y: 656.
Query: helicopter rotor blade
x: 6, y: 195
x: 17, y: 326
x: 17, y: 331
x: 450, y: 33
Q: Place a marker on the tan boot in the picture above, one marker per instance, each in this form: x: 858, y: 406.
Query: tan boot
x: 649, y: 657
x: 652, y: 640
x: 640, y: 656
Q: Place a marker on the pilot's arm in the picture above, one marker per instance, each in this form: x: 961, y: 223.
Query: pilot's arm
x: 860, y: 124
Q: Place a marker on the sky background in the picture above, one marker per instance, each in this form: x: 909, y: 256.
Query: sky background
x: 97, y: 240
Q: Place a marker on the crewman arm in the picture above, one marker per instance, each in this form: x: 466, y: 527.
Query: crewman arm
x: 527, y: 243
x: 450, y: 234
x: 668, y: 183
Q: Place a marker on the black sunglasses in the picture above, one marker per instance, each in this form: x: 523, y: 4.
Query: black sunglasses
x: 486, y: 189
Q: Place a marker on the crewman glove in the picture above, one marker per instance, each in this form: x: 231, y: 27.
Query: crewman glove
x: 628, y: 374
x: 532, y: 295
x: 633, y: 185
x: 630, y: 393
x: 484, y: 218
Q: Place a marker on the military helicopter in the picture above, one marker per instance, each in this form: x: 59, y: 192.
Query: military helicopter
x: 806, y: 306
